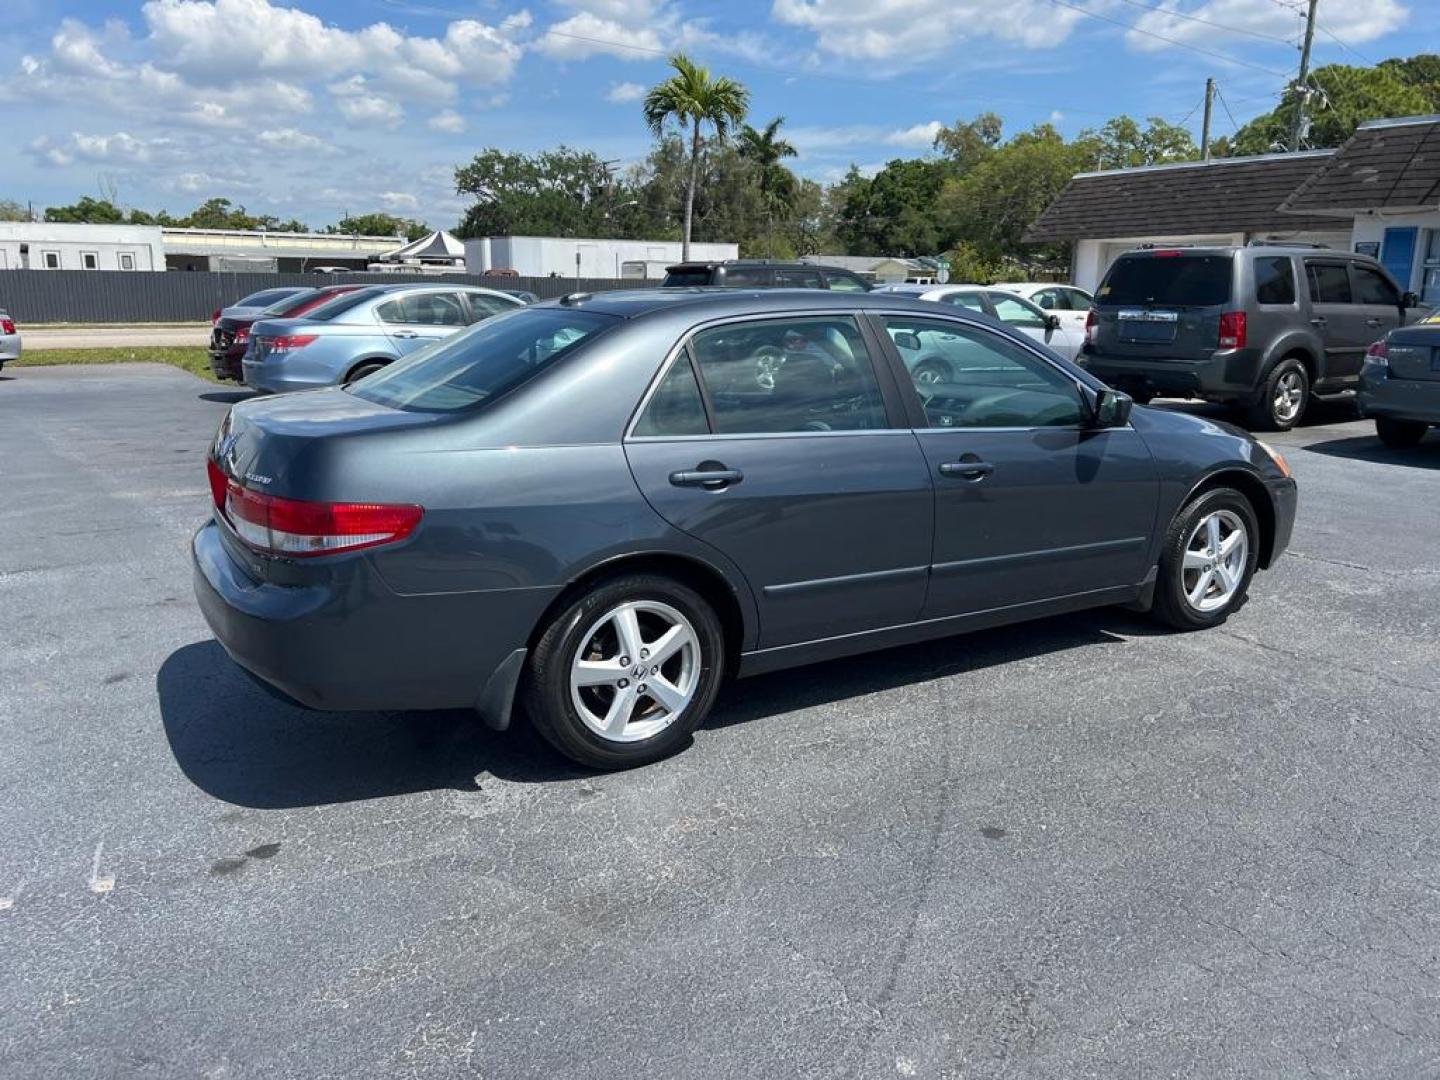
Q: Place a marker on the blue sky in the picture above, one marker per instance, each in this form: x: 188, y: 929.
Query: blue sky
x: 312, y: 108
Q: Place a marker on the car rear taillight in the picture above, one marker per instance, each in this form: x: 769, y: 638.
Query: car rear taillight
x: 1379, y: 351
x: 1091, y: 320
x: 214, y: 316
x: 242, y: 334
x: 1232, y: 329
x: 7, y: 326
x: 287, y: 342
x: 297, y: 528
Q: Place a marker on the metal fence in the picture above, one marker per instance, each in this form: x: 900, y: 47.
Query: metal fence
x: 116, y: 296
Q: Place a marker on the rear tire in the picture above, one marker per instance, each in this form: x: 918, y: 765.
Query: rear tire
x: 601, y: 712
x: 1283, y: 399
x: 1205, y: 571
x: 361, y: 370
x: 1400, y: 434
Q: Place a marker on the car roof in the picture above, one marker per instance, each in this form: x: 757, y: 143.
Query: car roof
x: 715, y: 301
x: 781, y: 264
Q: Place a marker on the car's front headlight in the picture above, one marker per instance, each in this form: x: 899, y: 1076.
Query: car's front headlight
x: 1277, y: 457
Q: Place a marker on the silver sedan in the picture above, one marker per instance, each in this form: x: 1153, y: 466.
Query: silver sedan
x: 9, y: 339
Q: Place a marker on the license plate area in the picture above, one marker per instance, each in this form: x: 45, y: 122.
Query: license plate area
x: 1147, y: 326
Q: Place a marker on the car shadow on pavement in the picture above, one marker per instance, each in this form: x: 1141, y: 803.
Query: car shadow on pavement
x: 1370, y: 448
x: 226, y: 397
x: 1318, y: 414
x: 242, y: 743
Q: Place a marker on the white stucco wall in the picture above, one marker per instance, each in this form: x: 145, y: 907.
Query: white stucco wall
x: 70, y: 243
x: 1370, y: 229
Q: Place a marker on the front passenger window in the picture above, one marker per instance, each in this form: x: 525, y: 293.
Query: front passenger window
x: 789, y: 375
x: 971, y: 378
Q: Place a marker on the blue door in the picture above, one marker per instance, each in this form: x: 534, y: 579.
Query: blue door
x: 1398, y: 254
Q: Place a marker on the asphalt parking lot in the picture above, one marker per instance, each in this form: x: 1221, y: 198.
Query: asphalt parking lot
x: 1077, y: 848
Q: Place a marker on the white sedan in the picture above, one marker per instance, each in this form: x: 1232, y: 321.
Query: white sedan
x: 1069, y: 304
x: 1005, y: 306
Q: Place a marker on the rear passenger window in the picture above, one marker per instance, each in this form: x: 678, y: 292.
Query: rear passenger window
x: 1329, y: 283
x: 798, y: 279
x: 676, y: 408
x: 1371, y: 288
x: 744, y: 277
x: 1274, y: 281
x: 789, y: 375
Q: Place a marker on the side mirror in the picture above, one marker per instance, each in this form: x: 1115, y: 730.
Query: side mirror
x: 1052, y: 322
x: 1109, y: 408
x: 907, y: 339
x: 1410, y: 300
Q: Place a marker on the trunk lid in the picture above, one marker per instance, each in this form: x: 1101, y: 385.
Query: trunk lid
x: 1164, y: 304
x: 1414, y: 353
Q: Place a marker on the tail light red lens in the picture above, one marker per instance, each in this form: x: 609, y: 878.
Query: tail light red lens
x: 214, y: 316
x: 1379, y: 350
x: 298, y: 529
x: 287, y: 342
x: 1232, y: 330
x: 1091, y: 319
x: 242, y: 334
x: 7, y: 326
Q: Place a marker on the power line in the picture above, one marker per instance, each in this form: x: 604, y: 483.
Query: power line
x: 1225, y: 105
x: 1335, y: 38
x: 1207, y: 22
x: 1172, y: 41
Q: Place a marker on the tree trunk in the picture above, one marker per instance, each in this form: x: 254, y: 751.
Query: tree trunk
x: 690, y: 189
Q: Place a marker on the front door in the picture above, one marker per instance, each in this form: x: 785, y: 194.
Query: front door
x: 1031, y: 503
x: 790, y: 464
x: 1378, y: 301
x: 1337, y: 319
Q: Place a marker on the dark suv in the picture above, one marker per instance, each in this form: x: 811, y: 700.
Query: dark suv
x: 760, y: 274
x: 1262, y: 327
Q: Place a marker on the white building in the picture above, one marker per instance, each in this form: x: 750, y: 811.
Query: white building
x: 45, y: 245
x: 256, y: 250
x: 553, y: 256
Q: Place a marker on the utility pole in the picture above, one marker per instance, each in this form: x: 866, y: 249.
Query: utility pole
x: 1205, y: 127
x: 1302, y: 84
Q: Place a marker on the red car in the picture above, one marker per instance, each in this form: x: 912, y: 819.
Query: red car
x: 230, y: 336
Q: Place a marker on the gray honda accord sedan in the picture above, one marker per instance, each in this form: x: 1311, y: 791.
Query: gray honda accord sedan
x: 590, y: 511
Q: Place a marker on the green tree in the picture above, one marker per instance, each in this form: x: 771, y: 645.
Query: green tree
x: 692, y: 96
x: 380, y: 224
x: 1123, y: 144
x: 560, y: 192
x: 893, y: 213
x: 1343, y: 97
x: 766, y: 150
x: 88, y: 210
x: 13, y: 210
x: 967, y: 143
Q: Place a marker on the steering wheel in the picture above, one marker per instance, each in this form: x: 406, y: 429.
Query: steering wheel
x: 768, y: 361
x: 931, y: 370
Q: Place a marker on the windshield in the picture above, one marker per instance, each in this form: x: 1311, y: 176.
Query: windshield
x: 482, y: 363
x: 1169, y: 280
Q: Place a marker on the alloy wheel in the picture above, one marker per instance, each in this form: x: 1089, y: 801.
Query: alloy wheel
x: 1289, y: 396
x: 1216, y: 554
x: 636, y: 670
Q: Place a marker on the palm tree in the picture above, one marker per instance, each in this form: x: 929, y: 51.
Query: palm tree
x: 766, y: 149
x: 693, y: 97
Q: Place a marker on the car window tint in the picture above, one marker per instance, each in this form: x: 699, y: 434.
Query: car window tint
x: 845, y: 283
x: 1274, y: 281
x: 969, y: 300
x: 1329, y: 283
x: 339, y: 305
x: 676, y: 407
x: 972, y: 378
x: 786, y: 375
x: 1016, y: 312
x: 1079, y: 300
x: 1372, y: 288
x: 464, y: 371
x: 798, y: 279
x: 746, y: 277
x: 1168, y: 278
x: 686, y: 276
x: 484, y: 306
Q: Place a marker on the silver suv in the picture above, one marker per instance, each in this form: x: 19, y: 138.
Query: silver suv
x: 1262, y: 327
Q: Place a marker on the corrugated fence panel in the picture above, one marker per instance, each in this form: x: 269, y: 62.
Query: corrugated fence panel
x: 117, y: 296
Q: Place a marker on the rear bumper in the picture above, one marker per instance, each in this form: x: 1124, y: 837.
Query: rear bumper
x: 225, y: 363
x: 281, y: 375
x: 1227, y: 375
x: 1398, y: 399
x: 9, y: 347
x: 350, y: 643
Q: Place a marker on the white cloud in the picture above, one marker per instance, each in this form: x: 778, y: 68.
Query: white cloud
x: 819, y: 141
x: 585, y: 34
x: 920, y: 136
x: 900, y: 31
x: 1352, y: 22
x: 290, y: 138
x: 121, y: 148
x: 358, y: 104
x: 448, y: 121
x: 624, y: 92
x: 399, y: 200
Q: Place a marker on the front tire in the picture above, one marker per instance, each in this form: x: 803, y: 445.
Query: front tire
x: 626, y: 672
x: 1208, y: 560
x: 1283, y: 399
x: 1400, y: 434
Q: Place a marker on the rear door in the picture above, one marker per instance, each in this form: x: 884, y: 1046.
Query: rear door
x: 1030, y: 503
x: 1338, y: 320
x: 789, y: 455
x: 1164, y: 304
x: 412, y: 320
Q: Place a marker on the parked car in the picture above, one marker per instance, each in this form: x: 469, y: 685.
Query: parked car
x: 1400, y: 384
x: 357, y: 334
x: 1045, y: 327
x: 1264, y: 327
x: 230, y: 336
x: 762, y: 274
x: 1066, y: 302
x: 9, y: 339
x: 523, y: 295
x: 600, y: 506
x: 251, y: 306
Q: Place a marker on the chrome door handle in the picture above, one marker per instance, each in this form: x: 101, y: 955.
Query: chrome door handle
x: 967, y: 470
x: 1320, y: 321
x: 406, y: 334
x: 706, y: 478
x: 1372, y: 322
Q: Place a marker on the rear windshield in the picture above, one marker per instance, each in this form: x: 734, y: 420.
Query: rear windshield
x: 477, y: 365
x: 686, y: 276
x: 266, y: 297
x: 1168, y: 280
x: 290, y: 303
x: 343, y: 303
